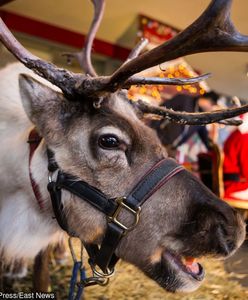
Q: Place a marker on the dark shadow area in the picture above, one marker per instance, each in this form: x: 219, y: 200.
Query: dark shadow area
x: 237, y: 265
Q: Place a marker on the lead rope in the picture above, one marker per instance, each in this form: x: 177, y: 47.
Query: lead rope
x: 78, y: 269
x: 76, y: 288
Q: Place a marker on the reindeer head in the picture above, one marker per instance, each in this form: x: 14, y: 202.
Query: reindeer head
x: 99, y: 136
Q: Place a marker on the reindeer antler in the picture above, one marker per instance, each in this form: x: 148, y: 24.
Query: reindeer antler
x: 212, y: 31
x: 137, y: 49
x: 194, y: 118
x: 59, y: 77
x: 84, y: 56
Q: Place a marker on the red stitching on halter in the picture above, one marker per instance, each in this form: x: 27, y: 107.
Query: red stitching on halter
x: 34, y: 140
x: 166, y: 178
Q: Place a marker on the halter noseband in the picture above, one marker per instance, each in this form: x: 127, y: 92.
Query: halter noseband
x: 104, y: 256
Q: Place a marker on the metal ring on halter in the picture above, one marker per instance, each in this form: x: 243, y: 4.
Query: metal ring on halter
x: 51, y: 175
x: 94, y: 280
x: 101, y: 274
x: 104, y: 282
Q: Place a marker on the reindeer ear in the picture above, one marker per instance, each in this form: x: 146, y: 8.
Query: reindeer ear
x: 37, y: 97
x: 42, y: 105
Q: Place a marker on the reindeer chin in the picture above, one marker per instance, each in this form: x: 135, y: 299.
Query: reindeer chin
x: 175, y: 273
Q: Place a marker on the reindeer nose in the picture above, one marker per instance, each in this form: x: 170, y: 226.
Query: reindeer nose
x: 230, y: 234
x: 226, y: 244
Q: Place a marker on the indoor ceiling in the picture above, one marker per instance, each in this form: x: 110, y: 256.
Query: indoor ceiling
x: 119, y: 26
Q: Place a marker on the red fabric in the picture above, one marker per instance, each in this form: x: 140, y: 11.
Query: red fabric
x: 50, y: 32
x: 236, y: 161
x: 34, y: 140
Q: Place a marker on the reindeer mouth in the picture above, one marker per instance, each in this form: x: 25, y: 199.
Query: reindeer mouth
x: 188, y: 265
x: 176, y: 272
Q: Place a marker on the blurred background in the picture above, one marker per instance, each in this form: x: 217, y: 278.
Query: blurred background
x: 49, y: 28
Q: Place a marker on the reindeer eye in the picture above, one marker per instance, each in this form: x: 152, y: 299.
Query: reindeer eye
x: 108, y: 141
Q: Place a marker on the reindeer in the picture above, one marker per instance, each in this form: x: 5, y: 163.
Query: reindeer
x: 111, y: 183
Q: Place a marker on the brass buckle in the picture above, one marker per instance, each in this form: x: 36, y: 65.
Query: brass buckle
x: 122, y: 205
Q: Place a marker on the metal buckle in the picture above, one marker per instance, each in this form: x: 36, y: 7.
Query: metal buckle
x: 98, y: 273
x: 94, y: 281
x: 99, y: 277
x: 122, y: 205
x: 51, y: 176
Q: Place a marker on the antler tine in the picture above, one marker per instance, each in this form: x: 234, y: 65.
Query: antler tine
x: 99, y: 6
x: 232, y: 122
x: 164, y: 81
x: 138, y: 80
x: 137, y: 49
x: 84, y: 56
x: 60, y: 77
x: 212, y: 31
x: 193, y: 118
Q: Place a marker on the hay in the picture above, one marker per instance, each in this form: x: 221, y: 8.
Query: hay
x: 130, y: 284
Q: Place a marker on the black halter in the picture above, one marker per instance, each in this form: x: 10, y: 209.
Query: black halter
x: 104, y: 257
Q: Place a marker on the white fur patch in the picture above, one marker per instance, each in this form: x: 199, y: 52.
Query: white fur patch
x: 24, y: 230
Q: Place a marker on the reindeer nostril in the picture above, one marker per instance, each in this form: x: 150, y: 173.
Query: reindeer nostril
x: 231, y: 245
x: 225, y: 245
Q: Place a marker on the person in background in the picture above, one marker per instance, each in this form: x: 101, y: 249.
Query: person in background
x: 235, y: 167
x: 174, y: 135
